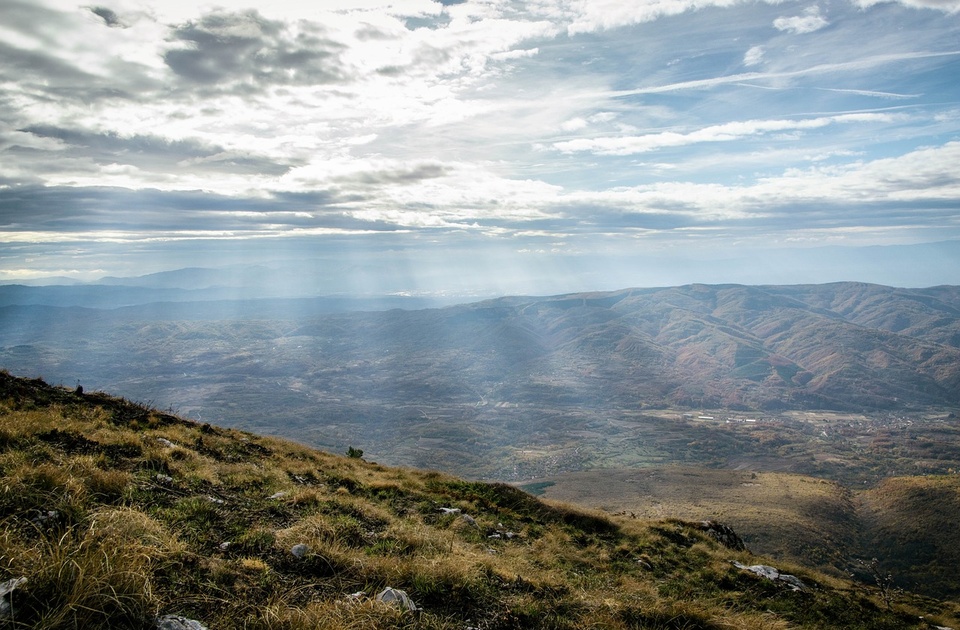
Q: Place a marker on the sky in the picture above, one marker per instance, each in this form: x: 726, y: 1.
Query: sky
x: 482, y: 146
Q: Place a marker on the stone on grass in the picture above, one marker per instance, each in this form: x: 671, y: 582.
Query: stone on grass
x: 300, y: 550
x: 391, y: 595
x: 176, y: 622
x: 772, y: 573
x: 6, y: 596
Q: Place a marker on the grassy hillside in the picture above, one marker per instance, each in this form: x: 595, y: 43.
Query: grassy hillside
x: 782, y: 515
x: 913, y: 522
x: 116, y: 514
x: 907, y: 523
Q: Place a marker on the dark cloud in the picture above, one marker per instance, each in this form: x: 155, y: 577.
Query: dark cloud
x: 310, y: 199
x: 38, y: 70
x: 46, y: 76
x: 151, y: 152
x: 408, y: 175
x: 109, y: 17
x: 238, y: 52
x: 67, y: 208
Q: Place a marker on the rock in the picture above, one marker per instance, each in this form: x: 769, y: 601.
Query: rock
x: 166, y: 442
x: 6, y: 596
x: 46, y: 517
x: 277, y: 495
x: 723, y: 534
x: 300, y: 550
x: 469, y: 520
x: 450, y: 510
x: 164, y: 479
x: 391, y: 595
x: 176, y: 622
x: 772, y: 573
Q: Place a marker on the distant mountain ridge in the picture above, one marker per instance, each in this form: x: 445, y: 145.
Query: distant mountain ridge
x: 838, y: 346
x: 843, y: 345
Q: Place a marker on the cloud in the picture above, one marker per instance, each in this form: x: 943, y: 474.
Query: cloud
x: 109, y: 17
x: 588, y: 16
x: 69, y: 212
x: 145, y: 151
x: 810, y: 21
x: 848, y: 66
x: 629, y: 145
x: 753, y: 56
x: 244, y: 50
x: 946, y: 6
x: 402, y: 175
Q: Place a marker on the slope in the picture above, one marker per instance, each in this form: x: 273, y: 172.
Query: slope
x: 116, y: 515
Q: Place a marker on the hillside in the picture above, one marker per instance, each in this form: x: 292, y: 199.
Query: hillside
x: 117, y: 515
x: 906, y: 523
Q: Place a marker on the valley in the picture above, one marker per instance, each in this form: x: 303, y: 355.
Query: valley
x: 826, y: 393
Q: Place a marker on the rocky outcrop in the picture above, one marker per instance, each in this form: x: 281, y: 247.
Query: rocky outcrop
x: 723, y: 534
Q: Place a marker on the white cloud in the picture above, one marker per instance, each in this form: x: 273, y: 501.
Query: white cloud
x: 629, y: 145
x: 753, y: 56
x: 573, y: 124
x: 587, y: 16
x: 810, y: 21
x: 946, y: 6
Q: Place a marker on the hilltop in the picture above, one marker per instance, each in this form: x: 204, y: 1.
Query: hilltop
x: 117, y: 514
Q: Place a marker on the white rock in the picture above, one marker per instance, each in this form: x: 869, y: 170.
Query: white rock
x: 176, y: 622
x: 300, y: 550
x: 391, y: 595
x: 772, y: 573
x: 6, y: 596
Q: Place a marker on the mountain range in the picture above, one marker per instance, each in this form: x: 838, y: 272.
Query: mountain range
x: 838, y: 346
